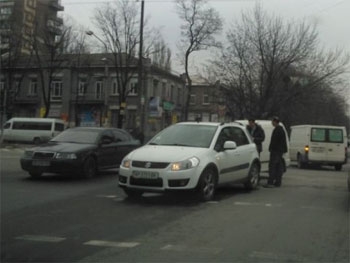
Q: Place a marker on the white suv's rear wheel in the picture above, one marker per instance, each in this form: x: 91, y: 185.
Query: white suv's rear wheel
x: 206, y: 185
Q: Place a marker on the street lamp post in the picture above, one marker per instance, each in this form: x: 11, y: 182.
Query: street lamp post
x: 105, y: 82
x: 140, y: 74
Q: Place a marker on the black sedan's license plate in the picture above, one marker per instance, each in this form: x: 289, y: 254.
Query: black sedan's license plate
x: 145, y: 174
x: 42, y: 163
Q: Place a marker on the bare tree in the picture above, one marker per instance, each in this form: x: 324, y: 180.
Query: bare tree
x: 200, y: 25
x: 119, y: 25
x: 269, y: 64
x: 78, y: 48
x: 162, y: 58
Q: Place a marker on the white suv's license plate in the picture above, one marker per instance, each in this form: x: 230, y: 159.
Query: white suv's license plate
x: 145, y: 174
x: 41, y: 163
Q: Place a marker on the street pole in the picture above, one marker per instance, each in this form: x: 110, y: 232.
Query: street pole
x: 140, y: 74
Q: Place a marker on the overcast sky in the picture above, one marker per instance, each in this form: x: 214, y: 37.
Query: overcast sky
x: 331, y: 16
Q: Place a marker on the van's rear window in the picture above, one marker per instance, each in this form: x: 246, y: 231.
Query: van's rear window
x: 326, y: 135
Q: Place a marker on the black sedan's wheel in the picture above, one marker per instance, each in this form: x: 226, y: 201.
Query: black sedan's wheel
x: 35, y: 175
x: 90, y: 167
x: 206, y: 185
x: 253, y: 177
x: 132, y: 193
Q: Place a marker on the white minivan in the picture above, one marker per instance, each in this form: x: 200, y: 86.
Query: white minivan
x: 265, y: 154
x: 318, y: 144
x: 32, y: 130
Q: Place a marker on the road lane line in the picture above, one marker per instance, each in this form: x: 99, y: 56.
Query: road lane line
x: 39, y: 238
x: 257, y: 204
x: 103, y: 243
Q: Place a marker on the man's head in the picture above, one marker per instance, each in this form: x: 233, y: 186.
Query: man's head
x: 275, y: 121
x: 251, y: 122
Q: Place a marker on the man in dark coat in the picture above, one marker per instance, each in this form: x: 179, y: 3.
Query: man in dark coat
x: 277, y: 147
x: 257, y: 133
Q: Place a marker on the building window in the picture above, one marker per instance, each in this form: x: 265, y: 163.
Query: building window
x: 56, y: 90
x: 155, y: 88
x: 5, y: 11
x: 133, y: 88
x: 99, y: 89
x: 193, y: 99
x: 205, y: 99
x: 82, y: 88
x: 33, y: 87
x: 115, y: 87
x: 179, y: 98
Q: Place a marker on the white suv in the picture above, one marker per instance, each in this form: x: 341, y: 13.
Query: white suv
x: 192, y: 156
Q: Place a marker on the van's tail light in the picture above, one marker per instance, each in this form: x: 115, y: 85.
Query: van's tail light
x: 306, y: 148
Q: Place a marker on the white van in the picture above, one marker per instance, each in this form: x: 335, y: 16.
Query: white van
x: 265, y: 154
x: 36, y: 130
x: 318, y: 144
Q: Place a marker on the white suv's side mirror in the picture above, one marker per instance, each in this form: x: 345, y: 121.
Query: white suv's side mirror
x: 230, y: 145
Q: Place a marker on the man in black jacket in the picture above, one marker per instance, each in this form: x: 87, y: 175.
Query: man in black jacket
x: 277, y: 147
x: 257, y: 133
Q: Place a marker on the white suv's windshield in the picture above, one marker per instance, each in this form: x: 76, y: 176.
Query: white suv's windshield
x: 186, y: 135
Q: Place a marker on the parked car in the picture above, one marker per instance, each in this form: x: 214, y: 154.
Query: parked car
x: 32, y: 130
x: 81, y: 150
x: 318, y: 144
x: 192, y: 156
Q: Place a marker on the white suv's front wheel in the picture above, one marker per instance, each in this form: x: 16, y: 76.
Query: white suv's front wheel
x: 206, y: 185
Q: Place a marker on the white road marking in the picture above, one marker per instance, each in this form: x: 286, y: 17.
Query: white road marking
x: 107, y: 196
x: 103, y: 243
x: 41, y: 238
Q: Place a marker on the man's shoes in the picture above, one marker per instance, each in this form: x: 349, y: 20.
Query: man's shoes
x: 277, y: 185
x: 268, y: 186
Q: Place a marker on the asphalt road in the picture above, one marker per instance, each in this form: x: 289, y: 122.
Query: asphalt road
x: 60, y: 219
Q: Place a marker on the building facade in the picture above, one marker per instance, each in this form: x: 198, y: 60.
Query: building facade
x: 88, y: 95
x: 206, y: 102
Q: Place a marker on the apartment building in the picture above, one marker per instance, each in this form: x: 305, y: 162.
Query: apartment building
x: 20, y: 20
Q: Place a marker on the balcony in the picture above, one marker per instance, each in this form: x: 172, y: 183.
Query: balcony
x: 56, y: 4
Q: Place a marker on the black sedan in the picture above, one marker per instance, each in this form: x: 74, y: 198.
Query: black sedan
x: 79, y: 151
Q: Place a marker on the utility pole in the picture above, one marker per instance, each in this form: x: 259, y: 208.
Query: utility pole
x: 140, y: 74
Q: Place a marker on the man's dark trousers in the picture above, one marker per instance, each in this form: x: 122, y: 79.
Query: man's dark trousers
x: 275, y: 168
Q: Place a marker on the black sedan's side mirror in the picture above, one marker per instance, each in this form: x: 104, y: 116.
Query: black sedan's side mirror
x: 106, y: 140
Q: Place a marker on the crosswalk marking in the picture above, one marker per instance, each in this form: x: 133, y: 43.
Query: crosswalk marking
x: 103, y: 243
x: 40, y: 238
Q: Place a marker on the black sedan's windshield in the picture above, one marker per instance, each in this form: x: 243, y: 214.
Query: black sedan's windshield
x: 77, y: 136
x: 186, y: 135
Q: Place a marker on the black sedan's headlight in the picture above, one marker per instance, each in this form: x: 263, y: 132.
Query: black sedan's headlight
x: 28, y: 154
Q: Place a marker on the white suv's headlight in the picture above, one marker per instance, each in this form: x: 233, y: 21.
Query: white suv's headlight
x: 185, y: 165
x: 66, y: 156
x: 126, y: 163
